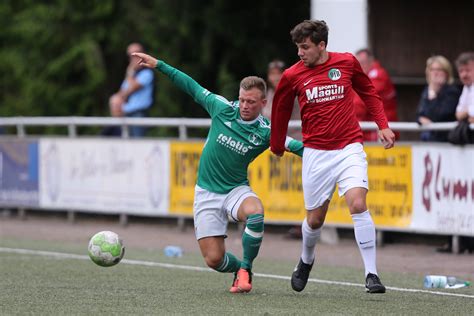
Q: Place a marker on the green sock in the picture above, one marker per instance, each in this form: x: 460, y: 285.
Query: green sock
x: 230, y: 263
x: 252, y: 239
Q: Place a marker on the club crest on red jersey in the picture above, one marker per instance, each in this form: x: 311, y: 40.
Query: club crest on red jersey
x: 334, y: 74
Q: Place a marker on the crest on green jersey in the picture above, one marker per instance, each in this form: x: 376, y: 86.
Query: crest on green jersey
x: 255, y: 139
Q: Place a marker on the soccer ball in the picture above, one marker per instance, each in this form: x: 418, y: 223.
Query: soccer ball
x: 106, y: 249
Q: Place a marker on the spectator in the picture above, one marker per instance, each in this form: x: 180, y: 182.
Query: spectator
x: 115, y: 106
x: 274, y: 73
x: 465, y: 110
x: 438, y: 99
x: 384, y: 87
x: 136, y: 91
x: 465, y: 107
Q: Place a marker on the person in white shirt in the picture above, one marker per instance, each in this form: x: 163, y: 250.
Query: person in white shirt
x: 465, y: 107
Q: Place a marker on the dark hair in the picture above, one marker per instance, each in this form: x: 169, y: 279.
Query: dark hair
x: 251, y: 82
x: 366, y: 51
x: 316, y: 30
x: 464, y: 59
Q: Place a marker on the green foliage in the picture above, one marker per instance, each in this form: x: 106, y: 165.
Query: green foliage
x: 64, y: 57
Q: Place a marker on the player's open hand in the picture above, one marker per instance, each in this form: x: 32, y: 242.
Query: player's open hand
x: 146, y: 60
x: 387, y: 137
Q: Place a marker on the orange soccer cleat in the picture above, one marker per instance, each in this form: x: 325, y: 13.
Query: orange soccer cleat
x: 234, y: 288
x: 242, y: 281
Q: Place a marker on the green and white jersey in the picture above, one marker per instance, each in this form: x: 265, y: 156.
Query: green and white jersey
x: 232, y: 143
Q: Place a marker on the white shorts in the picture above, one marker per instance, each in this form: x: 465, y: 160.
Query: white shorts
x: 212, y: 210
x: 323, y: 169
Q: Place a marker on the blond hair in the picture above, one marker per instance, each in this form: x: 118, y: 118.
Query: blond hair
x: 445, y: 65
x: 251, y: 82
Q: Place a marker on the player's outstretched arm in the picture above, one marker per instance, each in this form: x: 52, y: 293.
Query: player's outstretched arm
x: 182, y: 81
x: 387, y: 137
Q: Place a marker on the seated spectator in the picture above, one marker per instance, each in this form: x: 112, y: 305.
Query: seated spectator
x: 274, y: 73
x: 384, y: 87
x: 465, y: 107
x: 439, y: 98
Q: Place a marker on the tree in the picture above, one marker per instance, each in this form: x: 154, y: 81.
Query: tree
x: 67, y: 57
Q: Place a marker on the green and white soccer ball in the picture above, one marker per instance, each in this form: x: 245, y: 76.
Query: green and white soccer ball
x: 106, y: 249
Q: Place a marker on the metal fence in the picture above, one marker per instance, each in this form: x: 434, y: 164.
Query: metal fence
x: 182, y: 124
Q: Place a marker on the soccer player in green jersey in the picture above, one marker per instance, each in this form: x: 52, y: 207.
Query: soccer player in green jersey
x: 238, y: 134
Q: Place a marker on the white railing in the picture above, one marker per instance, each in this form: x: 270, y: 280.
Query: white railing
x: 72, y: 122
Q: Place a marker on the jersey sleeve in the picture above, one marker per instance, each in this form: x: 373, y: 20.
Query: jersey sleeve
x: 294, y: 146
x: 282, y: 108
x: 366, y: 91
x: 211, y: 102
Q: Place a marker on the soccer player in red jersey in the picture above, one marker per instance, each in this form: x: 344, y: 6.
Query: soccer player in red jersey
x: 324, y: 83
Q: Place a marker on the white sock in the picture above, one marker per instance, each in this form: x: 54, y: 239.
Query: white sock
x: 364, y: 230
x: 310, y: 237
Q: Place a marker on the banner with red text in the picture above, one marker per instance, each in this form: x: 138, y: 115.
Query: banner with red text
x: 443, y: 189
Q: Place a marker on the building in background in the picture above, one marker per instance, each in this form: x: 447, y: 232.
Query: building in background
x: 402, y: 34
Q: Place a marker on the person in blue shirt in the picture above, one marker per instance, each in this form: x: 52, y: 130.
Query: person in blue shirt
x: 136, y: 91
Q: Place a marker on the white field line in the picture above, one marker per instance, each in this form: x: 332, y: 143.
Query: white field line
x: 60, y: 255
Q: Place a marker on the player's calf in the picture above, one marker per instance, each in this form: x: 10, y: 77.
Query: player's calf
x: 229, y: 263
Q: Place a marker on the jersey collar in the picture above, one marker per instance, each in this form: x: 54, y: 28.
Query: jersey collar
x: 247, y: 122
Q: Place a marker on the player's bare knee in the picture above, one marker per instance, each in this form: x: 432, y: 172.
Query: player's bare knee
x: 250, y: 206
x: 315, y: 222
x: 358, y: 206
x: 254, y: 211
x: 213, y: 261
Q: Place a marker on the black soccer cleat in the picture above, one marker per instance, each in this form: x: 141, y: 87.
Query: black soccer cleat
x: 373, y: 284
x: 300, y: 276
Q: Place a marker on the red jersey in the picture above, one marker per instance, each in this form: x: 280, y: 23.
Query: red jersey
x: 325, y: 95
